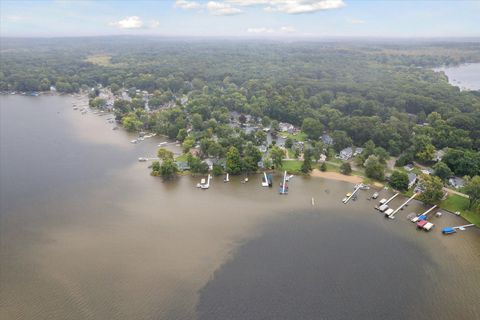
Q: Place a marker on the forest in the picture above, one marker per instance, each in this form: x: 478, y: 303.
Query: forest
x: 360, y: 92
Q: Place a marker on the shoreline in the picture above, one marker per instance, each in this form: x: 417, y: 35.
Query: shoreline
x: 335, y: 176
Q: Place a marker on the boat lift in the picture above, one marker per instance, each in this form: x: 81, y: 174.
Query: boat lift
x: 353, y: 193
x: 392, y: 214
x: 450, y: 230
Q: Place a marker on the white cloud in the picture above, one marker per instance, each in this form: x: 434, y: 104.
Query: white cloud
x: 287, y: 29
x: 291, y: 6
x: 132, y: 22
x: 222, y: 9
x: 357, y: 21
x: 260, y: 30
x: 154, y: 24
x: 184, y: 4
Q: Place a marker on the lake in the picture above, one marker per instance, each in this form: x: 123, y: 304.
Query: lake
x: 465, y: 76
x: 87, y: 233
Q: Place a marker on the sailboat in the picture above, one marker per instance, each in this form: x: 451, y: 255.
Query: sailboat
x: 283, y: 189
x: 264, y: 180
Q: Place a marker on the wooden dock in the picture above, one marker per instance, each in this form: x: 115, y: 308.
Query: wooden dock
x: 353, y: 193
x: 392, y: 215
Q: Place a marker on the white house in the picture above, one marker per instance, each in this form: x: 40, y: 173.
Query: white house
x: 346, y: 153
x: 358, y: 151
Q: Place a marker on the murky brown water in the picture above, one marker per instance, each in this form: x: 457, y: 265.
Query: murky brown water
x: 86, y: 233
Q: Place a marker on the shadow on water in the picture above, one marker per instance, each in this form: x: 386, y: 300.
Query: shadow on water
x: 299, y: 268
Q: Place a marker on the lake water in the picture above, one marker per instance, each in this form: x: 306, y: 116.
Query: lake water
x: 466, y: 76
x: 87, y: 233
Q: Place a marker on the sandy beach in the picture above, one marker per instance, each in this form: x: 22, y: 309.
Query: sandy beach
x: 336, y: 176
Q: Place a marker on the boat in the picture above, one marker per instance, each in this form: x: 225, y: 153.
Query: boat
x: 226, y: 179
x: 375, y: 195
x: 206, y: 185
x: 264, y: 180
x: 448, y: 230
x: 289, y: 177
x: 161, y: 144
x: 75, y: 108
x: 142, y: 159
x: 348, y: 194
x: 283, y: 189
x: 344, y: 199
x: 134, y: 141
x: 364, y: 187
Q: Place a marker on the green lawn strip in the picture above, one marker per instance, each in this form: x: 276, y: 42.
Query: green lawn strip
x: 292, y: 166
x: 455, y: 202
x: 182, y: 158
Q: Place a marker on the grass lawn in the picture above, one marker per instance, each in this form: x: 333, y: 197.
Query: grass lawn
x: 458, y: 203
x: 182, y: 158
x: 292, y: 166
x: 300, y: 136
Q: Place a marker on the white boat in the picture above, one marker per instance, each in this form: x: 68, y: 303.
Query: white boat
x: 161, y: 144
x: 344, y: 199
x: 142, y: 159
x: 205, y: 185
x: 375, y: 195
x: 75, y: 108
x: 264, y: 180
x: 134, y: 141
x: 289, y: 177
x: 246, y: 179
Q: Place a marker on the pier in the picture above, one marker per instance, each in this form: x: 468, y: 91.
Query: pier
x: 353, y: 193
x: 450, y: 230
x: 385, y: 202
x: 423, y: 215
x: 392, y: 214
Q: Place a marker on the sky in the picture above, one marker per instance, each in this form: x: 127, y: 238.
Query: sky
x: 241, y: 18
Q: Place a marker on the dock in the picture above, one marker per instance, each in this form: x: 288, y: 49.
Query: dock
x: 450, y: 230
x: 353, y: 193
x: 264, y: 180
x: 283, y: 189
x: 423, y: 215
x: 385, y: 202
x: 391, y: 215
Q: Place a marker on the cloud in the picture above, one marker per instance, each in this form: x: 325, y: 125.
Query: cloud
x: 187, y: 5
x: 357, y: 21
x: 132, y: 22
x: 154, y: 24
x: 287, y: 29
x: 291, y: 6
x: 260, y: 30
x: 222, y: 9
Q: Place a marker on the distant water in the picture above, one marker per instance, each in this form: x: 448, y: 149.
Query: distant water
x: 87, y: 233
x: 466, y: 76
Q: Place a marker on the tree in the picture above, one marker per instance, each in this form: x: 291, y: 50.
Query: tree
x: 373, y: 168
x: 399, y: 180
x: 472, y: 188
x: 197, y: 121
x: 277, y: 157
x: 234, y: 162
x: 188, y: 143
x: 323, y: 167
x: 155, y: 168
x: 168, y: 169
x: 424, y: 150
x: 312, y: 127
x: 341, y: 140
x: 131, y: 122
x: 307, y: 161
x: 251, y: 158
x: 346, y: 168
x: 182, y: 134
x: 442, y: 171
x: 433, y: 189
x: 164, y: 154
x: 288, y: 143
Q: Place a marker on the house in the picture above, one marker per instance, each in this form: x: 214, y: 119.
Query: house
x: 358, y: 151
x: 262, y: 148
x: 346, y: 154
x: 456, y: 182
x: 428, y: 171
x: 438, y: 155
x: 286, y: 127
x: 326, y: 139
x: 323, y: 158
x: 182, y: 166
x: 412, y: 178
x: 408, y: 167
